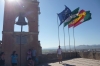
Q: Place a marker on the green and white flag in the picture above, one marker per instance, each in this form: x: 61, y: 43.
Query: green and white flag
x: 73, y: 16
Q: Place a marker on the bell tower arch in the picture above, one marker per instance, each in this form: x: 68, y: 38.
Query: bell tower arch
x: 17, y: 27
x: 10, y: 38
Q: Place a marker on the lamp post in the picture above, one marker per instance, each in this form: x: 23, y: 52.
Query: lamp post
x: 21, y: 21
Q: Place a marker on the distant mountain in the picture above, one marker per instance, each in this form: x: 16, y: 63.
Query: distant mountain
x: 63, y: 47
x: 88, y: 47
x: 79, y: 47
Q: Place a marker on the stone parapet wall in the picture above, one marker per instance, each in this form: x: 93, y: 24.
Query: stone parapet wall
x: 45, y: 58
x: 90, y: 55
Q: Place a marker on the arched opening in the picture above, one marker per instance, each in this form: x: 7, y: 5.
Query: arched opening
x: 17, y: 28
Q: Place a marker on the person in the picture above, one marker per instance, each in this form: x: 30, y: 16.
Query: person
x: 36, y: 60
x: 30, y: 62
x: 34, y: 54
x: 14, y: 58
x: 2, y: 59
x: 29, y: 54
x: 59, y: 54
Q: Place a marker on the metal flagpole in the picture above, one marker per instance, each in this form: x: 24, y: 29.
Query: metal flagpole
x: 74, y: 42
x: 74, y: 39
x: 69, y: 42
x: 58, y: 30
x: 64, y: 38
x: 64, y: 41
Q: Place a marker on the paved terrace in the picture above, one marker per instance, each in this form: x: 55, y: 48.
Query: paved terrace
x: 76, y: 62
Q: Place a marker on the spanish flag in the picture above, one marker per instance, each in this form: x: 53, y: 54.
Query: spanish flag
x: 81, y: 16
x: 86, y: 18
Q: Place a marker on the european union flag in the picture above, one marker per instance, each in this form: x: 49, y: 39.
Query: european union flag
x: 64, y: 15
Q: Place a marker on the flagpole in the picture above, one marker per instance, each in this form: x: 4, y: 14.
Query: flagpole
x: 74, y: 39
x: 64, y: 38
x: 69, y: 42
x: 58, y: 30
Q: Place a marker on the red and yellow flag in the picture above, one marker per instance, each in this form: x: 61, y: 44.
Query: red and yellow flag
x: 81, y: 15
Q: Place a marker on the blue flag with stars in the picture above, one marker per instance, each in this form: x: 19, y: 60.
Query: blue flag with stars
x: 64, y: 14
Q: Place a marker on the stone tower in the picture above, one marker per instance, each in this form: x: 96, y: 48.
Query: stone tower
x: 10, y: 39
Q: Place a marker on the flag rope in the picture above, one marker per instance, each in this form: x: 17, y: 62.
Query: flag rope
x: 69, y: 42
x: 58, y: 30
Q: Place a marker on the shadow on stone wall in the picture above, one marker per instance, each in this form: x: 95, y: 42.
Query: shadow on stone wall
x: 68, y: 65
x: 64, y: 64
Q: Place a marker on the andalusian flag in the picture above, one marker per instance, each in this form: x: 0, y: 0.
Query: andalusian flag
x: 86, y: 18
x: 72, y: 17
x: 81, y: 15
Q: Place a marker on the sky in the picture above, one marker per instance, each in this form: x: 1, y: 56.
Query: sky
x: 87, y: 33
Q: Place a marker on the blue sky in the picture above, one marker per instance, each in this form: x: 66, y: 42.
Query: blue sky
x: 87, y: 33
